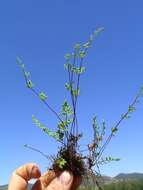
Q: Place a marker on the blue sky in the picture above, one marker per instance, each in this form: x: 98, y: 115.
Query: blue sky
x: 41, y: 32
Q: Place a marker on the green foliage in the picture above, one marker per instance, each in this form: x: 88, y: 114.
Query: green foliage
x: 78, y: 70
x: 29, y: 84
x: 112, y: 159
x: 55, y: 135
x: 82, y: 54
x: 20, y: 62
x: 75, y: 92
x: 96, y: 128
x: 43, y: 96
x: 74, y: 66
x: 125, y: 185
x: 98, y: 31
x: 68, y: 66
x: 114, y: 130
x: 66, y: 109
x: 127, y: 116
x: 103, y: 128
x: 77, y: 46
x: 95, y: 125
x: 86, y: 45
x: 68, y: 86
x: 66, y: 113
x: 63, y: 125
x: 61, y: 162
x: 131, y: 109
x: 26, y: 74
x: 67, y: 56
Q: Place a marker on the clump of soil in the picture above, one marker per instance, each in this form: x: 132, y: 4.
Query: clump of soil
x: 74, y: 161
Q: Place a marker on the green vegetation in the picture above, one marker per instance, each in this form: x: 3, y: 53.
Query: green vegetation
x: 69, y: 156
x: 125, y: 185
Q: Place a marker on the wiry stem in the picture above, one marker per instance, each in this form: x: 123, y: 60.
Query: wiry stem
x: 36, y: 150
x: 117, y: 126
x: 72, y: 96
x: 78, y: 84
x: 44, y: 101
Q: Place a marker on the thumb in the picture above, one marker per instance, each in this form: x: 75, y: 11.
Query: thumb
x: 20, y: 177
x: 62, y: 182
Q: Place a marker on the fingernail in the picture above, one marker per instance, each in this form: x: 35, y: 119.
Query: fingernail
x: 65, y: 178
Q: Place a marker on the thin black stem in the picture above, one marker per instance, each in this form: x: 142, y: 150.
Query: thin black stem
x: 49, y: 107
x: 71, y: 93
x: 116, y: 126
x: 36, y: 150
x: 72, y: 96
x: 78, y: 82
x: 44, y: 101
x: 66, y: 133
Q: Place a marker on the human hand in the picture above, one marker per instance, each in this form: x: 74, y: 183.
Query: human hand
x: 49, y: 181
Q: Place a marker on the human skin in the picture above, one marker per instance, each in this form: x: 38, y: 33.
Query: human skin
x: 48, y: 181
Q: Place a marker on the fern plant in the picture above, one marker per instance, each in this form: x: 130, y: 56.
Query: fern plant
x: 69, y: 156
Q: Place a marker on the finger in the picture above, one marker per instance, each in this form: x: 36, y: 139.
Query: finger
x: 62, y: 182
x: 20, y: 177
x: 76, y: 182
x: 44, y: 180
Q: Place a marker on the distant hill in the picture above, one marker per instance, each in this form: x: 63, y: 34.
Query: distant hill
x: 129, y: 176
x: 121, y: 180
x: 4, y: 187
